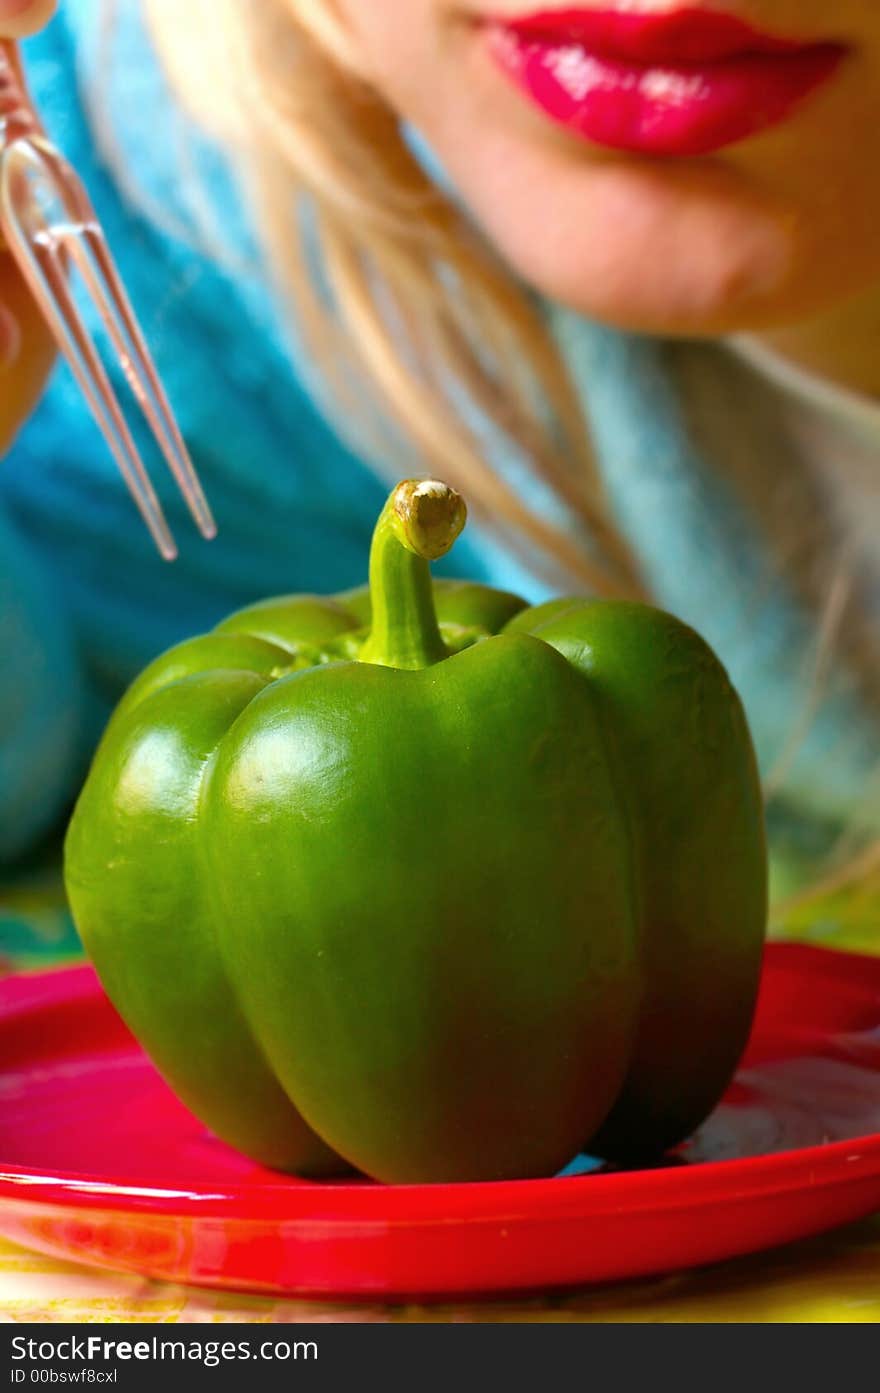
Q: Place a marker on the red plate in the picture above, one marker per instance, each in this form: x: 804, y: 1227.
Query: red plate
x: 99, y: 1162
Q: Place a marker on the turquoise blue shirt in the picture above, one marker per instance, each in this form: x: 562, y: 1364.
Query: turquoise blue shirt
x: 85, y: 602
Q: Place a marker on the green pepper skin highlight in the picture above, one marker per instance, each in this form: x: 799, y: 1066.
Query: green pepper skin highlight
x: 423, y: 882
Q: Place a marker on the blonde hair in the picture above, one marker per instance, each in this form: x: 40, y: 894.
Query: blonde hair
x: 417, y: 331
x: 412, y: 320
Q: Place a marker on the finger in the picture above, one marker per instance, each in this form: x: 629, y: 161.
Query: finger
x: 30, y: 352
x: 10, y: 339
x: 19, y: 18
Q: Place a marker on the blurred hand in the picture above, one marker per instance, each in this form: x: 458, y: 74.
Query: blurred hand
x: 27, y: 349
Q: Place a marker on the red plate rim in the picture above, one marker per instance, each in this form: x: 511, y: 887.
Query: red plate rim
x: 476, y: 1202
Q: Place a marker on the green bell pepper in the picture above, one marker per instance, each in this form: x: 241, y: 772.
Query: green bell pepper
x: 423, y: 881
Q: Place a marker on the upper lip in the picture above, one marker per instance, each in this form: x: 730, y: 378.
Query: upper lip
x: 674, y: 37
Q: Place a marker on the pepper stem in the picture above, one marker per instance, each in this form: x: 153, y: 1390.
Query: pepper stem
x: 418, y: 524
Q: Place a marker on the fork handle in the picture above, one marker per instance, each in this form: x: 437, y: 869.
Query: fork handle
x: 17, y: 115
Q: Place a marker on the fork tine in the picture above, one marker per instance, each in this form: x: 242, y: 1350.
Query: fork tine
x: 42, y: 265
x: 45, y: 213
x: 142, y: 375
x: 90, y: 253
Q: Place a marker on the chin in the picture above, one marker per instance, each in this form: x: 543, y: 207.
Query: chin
x: 691, y: 307
x: 694, y: 274
x: 691, y: 295
x: 653, y: 248
x: 689, y: 301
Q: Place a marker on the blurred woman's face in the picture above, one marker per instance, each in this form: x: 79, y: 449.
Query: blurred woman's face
x: 684, y: 166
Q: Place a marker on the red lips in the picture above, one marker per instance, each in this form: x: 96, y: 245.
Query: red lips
x: 679, y: 83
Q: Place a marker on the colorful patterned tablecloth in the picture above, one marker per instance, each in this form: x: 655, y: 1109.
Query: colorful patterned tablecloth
x: 833, y: 1279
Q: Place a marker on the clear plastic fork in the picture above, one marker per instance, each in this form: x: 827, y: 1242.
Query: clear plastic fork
x: 50, y: 227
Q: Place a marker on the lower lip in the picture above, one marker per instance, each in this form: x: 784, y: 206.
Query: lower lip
x: 681, y: 112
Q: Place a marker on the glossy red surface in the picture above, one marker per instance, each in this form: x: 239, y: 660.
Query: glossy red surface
x: 99, y: 1162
